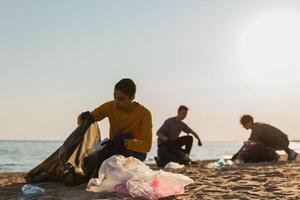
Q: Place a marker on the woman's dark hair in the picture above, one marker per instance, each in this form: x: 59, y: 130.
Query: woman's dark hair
x: 245, y: 119
x: 126, y: 86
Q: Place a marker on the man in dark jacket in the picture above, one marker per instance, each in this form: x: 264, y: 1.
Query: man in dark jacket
x: 267, y: 135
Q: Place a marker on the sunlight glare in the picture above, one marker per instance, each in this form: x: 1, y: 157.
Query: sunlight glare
x: 269, y: 49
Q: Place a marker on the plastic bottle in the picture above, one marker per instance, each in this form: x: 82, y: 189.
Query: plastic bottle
x: 32, y: 191
x: 221, y: 162
x: 102, y: 144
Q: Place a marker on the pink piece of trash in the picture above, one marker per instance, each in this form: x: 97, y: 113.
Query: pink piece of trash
x: 122, y: 190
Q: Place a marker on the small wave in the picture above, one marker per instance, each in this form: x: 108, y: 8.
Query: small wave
x: 9, y: 164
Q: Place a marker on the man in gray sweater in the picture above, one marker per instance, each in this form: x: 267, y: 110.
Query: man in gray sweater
x: 170, y: 144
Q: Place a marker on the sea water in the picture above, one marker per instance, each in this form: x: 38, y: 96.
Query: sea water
x: 21, y: 156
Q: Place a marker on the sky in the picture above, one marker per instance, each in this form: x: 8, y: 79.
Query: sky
x: 222, y: 59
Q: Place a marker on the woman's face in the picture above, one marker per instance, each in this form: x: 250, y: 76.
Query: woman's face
x: 121, y: 100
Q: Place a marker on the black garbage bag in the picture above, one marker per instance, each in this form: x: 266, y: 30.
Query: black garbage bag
x: 66, y: 164
x: 73, y: 140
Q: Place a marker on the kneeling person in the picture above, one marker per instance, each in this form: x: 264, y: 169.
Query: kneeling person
x: 170, y: 144
x: 130, y: 127
x: 268, y: 137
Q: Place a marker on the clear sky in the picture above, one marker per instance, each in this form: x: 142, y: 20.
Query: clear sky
x: 220, y: 58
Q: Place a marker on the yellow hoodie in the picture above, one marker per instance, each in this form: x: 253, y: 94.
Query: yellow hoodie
x: 137, y: 123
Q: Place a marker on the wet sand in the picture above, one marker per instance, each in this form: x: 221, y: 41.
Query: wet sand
x: 273, y: 180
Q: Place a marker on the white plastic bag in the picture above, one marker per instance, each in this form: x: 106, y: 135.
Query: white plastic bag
x: 32, y: 191
x: 118, y: 170
x: 162, y: 184
x: 173, y: 165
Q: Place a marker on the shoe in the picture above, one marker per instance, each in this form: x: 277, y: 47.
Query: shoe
x: 292, y: 155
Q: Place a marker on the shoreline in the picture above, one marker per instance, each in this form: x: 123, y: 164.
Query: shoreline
x: 276, y: 180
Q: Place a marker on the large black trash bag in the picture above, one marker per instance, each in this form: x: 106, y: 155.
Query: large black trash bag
x: 59, y: 166
x: 73, y: 140
x: 257, y: 152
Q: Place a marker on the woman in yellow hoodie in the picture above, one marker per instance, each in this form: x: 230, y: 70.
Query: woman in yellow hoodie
x: 130, y: 126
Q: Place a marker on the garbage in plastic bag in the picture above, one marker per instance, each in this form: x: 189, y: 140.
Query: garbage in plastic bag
x: 173, y: 165
x: 32, y: 191
x: 141, y: 189
x: 219, y: 163
x: 117, y: 172
x: 122, y: 189
x: 163, y: 184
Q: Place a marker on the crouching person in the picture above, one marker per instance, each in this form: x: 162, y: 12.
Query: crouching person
x: 170, y: 145
x: 130, y: 127
x: 263, y: 142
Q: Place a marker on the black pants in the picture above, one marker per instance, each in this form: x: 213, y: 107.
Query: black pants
x: 93, y: 162
x: 173, y: 151
x: 257, y: 153
x: 277, y: 143
x: 186, y: 141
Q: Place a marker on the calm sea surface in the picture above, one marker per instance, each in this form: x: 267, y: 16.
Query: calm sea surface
x: 21, y: 156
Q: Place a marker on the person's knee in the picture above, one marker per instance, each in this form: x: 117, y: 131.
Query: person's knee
x: 189, y: 139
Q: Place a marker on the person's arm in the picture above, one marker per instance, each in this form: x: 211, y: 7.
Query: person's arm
x: 195, y: 135
x: 256, y: 133
x: 198, y: 138
x: 98, y: 114
x: 161, y: 136
x: 143, y: 144
x: 188, y: 130
x: 162, y: 130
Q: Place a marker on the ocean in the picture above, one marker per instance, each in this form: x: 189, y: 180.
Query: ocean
x: 21, y: 156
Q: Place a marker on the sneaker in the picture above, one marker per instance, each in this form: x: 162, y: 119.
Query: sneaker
x: 292, y: 155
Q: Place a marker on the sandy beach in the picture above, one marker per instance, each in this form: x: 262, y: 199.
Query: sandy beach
x: 273, y: 180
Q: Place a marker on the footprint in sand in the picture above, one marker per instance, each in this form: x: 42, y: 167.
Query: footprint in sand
x: 245, y: 187
x: 235, y: 179
x: 273, y: 174
x: 213, y: 190
x: 271, y: 189
x: 230, y: 196
x: 259, y: 179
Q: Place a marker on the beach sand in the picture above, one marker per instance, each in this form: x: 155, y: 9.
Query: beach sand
x: 273, y: 180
